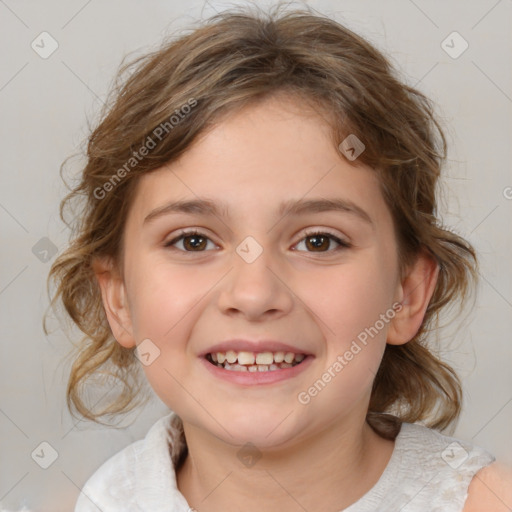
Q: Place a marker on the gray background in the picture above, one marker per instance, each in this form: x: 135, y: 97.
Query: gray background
x: 45, y: 105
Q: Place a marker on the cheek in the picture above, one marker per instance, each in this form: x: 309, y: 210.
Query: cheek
x: 166, y: 302
x: 353, y: 298
x: 353, y: 304
x: 162, y: 297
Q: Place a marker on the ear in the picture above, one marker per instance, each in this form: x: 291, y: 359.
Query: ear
x: 113, y: 294
x: 415, y: 292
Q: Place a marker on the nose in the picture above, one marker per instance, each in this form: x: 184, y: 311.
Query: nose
x: 256, y: 289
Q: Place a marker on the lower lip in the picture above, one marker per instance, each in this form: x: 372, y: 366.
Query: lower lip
x: 254, y: 378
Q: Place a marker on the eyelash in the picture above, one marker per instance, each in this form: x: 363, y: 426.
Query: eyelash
x: 185, y: 234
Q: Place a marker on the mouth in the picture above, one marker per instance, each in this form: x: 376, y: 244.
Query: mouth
x: 254, y: 361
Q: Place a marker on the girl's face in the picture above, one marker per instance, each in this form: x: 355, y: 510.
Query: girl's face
x: 256, y: 273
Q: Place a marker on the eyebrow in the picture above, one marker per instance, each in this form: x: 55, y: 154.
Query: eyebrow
x: 291, y: 207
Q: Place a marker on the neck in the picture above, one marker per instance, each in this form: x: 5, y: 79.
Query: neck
x: 326, y: 472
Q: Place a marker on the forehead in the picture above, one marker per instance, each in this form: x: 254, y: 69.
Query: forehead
x: 259, y: 157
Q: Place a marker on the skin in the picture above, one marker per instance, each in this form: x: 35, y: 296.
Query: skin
x: 317, y: 300
x: 491, y: 489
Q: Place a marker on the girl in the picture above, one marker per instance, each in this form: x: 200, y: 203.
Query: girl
x: 259, y: 237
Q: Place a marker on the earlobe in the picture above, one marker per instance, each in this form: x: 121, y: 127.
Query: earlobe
x: 113, y: 294
x: 415, y: 292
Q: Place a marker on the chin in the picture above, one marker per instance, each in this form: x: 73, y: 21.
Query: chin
x: 263, y: 428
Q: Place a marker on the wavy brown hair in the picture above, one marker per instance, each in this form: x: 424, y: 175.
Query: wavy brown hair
x: 233, y: 59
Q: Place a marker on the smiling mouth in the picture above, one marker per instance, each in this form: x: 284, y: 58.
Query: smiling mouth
x: 254, y: 362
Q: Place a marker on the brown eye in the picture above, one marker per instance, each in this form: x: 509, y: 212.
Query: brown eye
x: 320, y: 242
x: 192, y: 241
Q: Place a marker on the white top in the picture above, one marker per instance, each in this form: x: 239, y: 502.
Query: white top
x: 428, y: 471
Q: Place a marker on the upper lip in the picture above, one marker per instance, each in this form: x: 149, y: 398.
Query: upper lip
x: 241, y: 345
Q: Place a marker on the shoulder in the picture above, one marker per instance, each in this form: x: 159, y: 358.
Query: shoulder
x: 490, y: 489
x: 437, y: 470
x: 112, y: 481
x: 131, y: 473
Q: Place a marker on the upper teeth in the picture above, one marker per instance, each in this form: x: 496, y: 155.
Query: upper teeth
x: 249, y: 358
